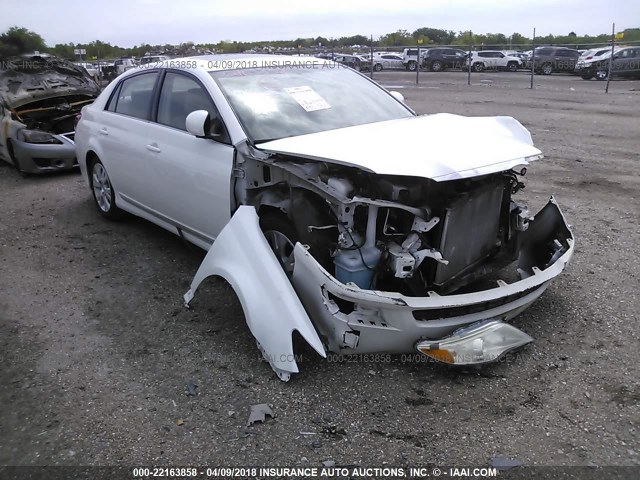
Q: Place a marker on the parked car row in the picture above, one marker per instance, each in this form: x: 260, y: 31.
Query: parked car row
x: 593, y: 63
x: 437, y: 59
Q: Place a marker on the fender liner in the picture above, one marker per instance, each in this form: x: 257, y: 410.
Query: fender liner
x: 273, y: 311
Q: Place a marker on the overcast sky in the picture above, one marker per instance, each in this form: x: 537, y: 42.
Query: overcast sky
x: 131, y: 22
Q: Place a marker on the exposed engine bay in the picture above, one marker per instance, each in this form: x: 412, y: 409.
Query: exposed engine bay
x: 53, y: 115
x: 410, y: 235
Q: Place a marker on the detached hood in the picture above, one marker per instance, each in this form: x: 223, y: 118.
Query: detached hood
x: 440, y: 146
x: 31, y: 78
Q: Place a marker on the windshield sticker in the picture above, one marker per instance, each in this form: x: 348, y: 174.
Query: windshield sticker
x: 307, y: 98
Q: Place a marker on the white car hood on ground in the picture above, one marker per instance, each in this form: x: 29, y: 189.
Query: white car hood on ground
x: 440, y: 146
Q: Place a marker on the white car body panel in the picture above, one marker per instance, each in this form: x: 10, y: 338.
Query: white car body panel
x: 193, y: 189
x: 488, y: 145
x: 242, y: 256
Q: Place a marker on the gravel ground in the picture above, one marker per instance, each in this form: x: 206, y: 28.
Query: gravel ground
x: 96, y: 348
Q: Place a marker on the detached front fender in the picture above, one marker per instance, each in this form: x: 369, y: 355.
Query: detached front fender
x: 242, y: 256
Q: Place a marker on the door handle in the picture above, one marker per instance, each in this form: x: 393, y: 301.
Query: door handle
x: 104, y: 131
x: 153, y: 148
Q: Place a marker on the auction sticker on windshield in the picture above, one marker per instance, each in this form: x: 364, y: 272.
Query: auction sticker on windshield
x: 307, y: 98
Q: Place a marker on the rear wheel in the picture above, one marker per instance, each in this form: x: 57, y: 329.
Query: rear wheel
x: 103, y: 192
x: 377, y: 67
x: 478, y: 67
x: 512, y: 66
x: 547, y: 69
x: 412, y: 66
x: 587, y: 76
x: 436, y: 66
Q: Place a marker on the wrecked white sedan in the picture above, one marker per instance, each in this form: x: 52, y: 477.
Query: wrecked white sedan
x: 286, y: 171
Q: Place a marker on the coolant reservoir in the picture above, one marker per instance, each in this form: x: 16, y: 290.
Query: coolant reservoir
x: 350, y: 267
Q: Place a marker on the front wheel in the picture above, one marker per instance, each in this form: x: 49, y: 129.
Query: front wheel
x: 103, y: 193
x: 587, y: 76
x: 602, y: 74
x: 281, y: 237
x: 412, y: 66
x: 478, y: 67
x: 547, y: 69
x: 436, y: 66
x: 512, y: 66
x: 378, y: 67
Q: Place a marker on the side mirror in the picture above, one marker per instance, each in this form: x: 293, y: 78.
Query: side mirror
x: 397, y: 95
x: 198, y: 123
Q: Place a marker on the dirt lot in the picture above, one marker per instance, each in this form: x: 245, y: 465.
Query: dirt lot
x: 96, y: 348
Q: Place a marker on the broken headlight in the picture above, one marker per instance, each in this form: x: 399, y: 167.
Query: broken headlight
x: 481, y: 342
x: 36, y: 136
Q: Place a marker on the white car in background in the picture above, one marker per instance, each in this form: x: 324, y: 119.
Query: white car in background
x: 149, y: 59
x: 288, y: 171
x: 493, y: 60
x: 387, y: 61
x: 410, y: 57
x: 124, y: 64
x: 91, y: 69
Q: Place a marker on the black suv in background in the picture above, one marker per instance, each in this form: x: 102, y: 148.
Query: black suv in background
x: 547, y: 60
x: 437, y: 59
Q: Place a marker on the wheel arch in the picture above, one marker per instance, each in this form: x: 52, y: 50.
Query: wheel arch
x: 272, y: 309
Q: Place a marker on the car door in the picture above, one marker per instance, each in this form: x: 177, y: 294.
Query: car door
x: 122, y: 135
x: 634, y: 63
x: 448, y: 57
x: 390, y: 61
x: 191, y: 176
x: 622, y: 62
x: 500, y: 59
x: 566, y: 60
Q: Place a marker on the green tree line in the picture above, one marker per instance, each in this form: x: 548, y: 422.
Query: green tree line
x: 19, y: 40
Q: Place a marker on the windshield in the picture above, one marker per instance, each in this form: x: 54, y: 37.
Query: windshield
x: 274, y: 103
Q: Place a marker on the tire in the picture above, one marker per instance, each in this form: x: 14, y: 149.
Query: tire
x: 587, y: 76
x: 378, y: 67
x: 601, y: 74
x: 436, y: 66
x: 104, y: 195
x: 281, y: 237
x: 411, y: 66
x: 547, y: 69
x: 512, y: 66
x: 478, y: 67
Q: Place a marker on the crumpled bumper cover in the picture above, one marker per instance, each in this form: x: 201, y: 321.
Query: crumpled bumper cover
x: 43, y: 158
x: 344, y: 318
